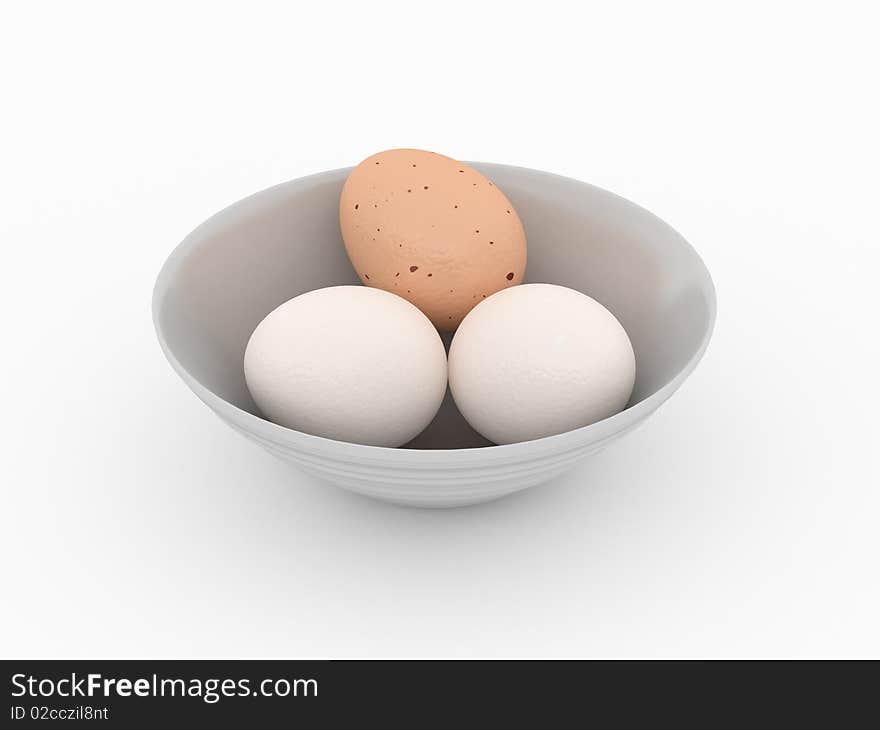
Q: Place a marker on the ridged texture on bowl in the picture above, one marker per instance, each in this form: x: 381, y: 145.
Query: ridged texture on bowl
x: 426, y: 485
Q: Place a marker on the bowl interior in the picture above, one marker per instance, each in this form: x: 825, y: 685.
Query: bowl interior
x: 260, y: 252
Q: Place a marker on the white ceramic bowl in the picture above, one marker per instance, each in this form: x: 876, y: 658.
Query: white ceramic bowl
x: 249, y: 258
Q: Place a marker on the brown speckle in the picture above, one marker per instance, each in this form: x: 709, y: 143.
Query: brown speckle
x: 367, y: 277
x: 491, y: 243
x: 430, y: 275
x: 510, y: 276
x: 490, y: 182
x: 355, y: 206
x: 484, y: 296
x: 413, y: 269
x: 449, y: 317
x: 409, y: 190
x: 375, y: 205
x: 508, y: 211
x: 397, y: 274
x: 461, y: 170
x: 378, y: 230
x: 454, y: 206
x: 414, y: 164
x: 477, y: 230
x: 377, y: 163
x: 409, y: 291
x: 426, y: 187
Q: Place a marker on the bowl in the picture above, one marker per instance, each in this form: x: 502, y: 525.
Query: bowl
x: 243, y: 262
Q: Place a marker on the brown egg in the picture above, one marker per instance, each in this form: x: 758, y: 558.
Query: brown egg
x: 432, y: 230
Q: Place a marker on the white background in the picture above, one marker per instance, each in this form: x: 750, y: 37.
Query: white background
x: 742, y: 520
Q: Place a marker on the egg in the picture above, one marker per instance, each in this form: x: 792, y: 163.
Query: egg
x: 537, y: 360
x: 348, y: 363
x: 431, y: 230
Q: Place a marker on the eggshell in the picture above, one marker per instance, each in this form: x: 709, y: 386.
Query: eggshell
x: 538, y: 360
x: 432, y: 230
x: 348, y: 363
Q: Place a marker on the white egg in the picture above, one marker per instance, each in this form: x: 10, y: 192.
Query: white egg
x: 349, y: 363
x: 537, y: 360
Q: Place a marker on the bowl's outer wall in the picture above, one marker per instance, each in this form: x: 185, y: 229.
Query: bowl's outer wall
x: 242, y: 263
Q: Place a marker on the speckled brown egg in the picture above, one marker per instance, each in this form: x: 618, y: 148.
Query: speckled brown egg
x: 431, y: 230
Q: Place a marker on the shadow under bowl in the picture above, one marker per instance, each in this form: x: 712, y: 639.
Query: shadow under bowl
x: 240, y: 264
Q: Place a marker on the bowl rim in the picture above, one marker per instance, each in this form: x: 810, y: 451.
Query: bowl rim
x: 282, y: 436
